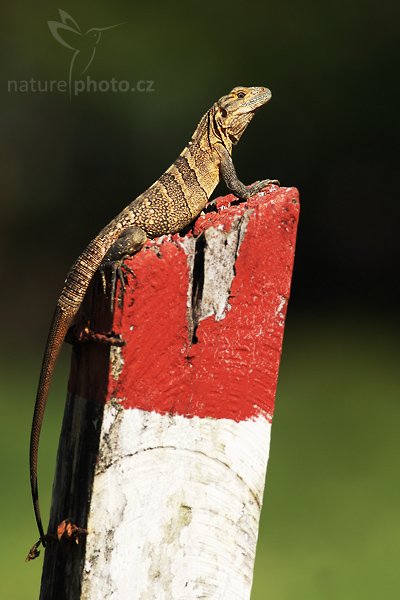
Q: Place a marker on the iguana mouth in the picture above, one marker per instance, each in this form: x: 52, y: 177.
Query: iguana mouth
x: 166, y: 207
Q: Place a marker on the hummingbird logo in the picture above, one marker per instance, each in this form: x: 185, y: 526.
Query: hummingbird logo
x: 68, y: 33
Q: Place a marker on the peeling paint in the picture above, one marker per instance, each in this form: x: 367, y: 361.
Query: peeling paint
x: 116, y: 361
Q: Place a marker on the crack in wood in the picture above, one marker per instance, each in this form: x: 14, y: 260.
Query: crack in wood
x: 212, y: 266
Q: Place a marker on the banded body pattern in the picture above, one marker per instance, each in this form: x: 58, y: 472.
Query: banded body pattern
x: 167, y: 206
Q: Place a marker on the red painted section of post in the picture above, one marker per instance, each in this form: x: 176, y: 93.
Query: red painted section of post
x: 236, y: 358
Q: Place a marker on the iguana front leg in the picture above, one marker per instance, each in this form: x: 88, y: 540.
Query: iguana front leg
x: 166, y: 207
x: 129, y: 243
x: 228, y: 174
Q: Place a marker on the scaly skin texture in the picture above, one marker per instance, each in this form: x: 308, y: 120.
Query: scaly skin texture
x: 167, y: 206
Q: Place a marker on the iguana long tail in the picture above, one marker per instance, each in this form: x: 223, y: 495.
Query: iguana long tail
x: 58, y: 329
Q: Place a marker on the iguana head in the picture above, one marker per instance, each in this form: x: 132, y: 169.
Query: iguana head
x: 232, y: 113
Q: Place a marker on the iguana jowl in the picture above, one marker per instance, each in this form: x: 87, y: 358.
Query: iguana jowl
x: 167, y: 206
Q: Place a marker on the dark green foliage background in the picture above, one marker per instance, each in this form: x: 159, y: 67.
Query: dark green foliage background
x: 330, y: 526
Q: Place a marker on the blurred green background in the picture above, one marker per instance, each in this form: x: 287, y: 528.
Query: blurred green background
x: 330, y: 526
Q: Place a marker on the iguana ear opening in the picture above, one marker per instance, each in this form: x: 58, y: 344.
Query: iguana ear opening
x: 220, y: 116
x: 222, y: 112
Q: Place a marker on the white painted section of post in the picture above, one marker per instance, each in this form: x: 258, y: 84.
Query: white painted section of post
x: 175, y: 507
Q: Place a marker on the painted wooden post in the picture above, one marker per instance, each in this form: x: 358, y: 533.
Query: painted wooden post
x: 168, y: 472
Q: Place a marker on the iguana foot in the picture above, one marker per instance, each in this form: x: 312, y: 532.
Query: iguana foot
x: 260, y: 185
x: 128, y: 244
x: 119, y: 272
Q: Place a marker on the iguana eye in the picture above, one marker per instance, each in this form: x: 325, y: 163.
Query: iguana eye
x: 240, y: 94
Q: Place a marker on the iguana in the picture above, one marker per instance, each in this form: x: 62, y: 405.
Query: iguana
x: 167, y: 206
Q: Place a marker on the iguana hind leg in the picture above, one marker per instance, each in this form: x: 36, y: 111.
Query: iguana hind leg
x: 128, y: 244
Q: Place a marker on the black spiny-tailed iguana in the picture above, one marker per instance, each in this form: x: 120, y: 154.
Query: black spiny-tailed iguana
x: 170, y: 204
